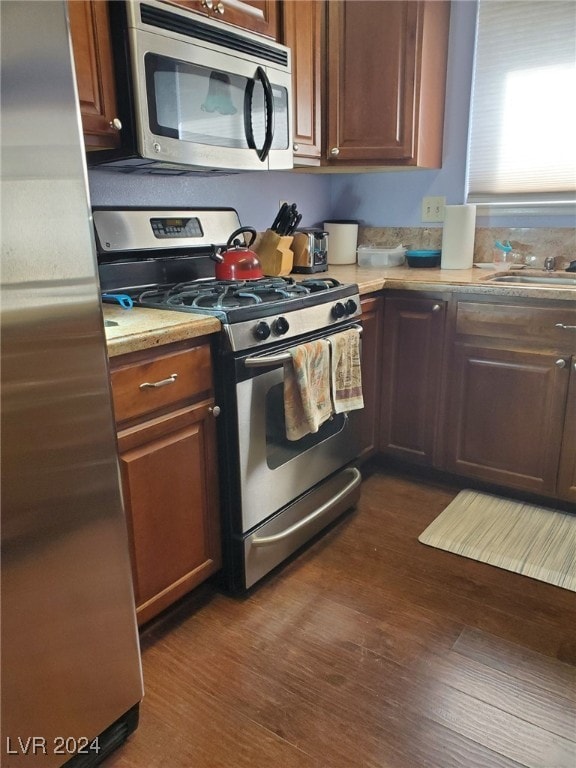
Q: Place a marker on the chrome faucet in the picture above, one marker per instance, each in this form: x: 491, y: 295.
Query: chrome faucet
x: 549, y: 263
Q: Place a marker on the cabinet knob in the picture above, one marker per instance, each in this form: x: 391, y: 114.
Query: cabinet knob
x: 116, y: 123
x: 334, y: 151
x: 208, y: 4
x: 215, y: 411
x: 436, y: 308
x: 296, y: 147
x: 561, y: 363
x: 219, y: 8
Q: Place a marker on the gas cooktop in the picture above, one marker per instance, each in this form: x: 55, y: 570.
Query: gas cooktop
x: 236, y: 300
x: 161, y: 259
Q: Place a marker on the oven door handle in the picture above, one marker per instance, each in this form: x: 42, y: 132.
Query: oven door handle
x: 264, y: 541
x: 261, y: 362
x: 283, y: 357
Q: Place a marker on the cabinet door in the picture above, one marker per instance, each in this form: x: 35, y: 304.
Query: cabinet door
x: 259, y: 16
x: 302, y: 22
x: 371, y: 373
x: 171, y: 499
x: 90, y: 32
x: 567, y: 476
x: 386, y: 81
x: 413, y: 343
x: 506, y: 415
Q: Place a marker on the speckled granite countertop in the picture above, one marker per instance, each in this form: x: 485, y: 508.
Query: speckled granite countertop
x: 371, y: 279
x: 139, y: 329
x: 145, y: 328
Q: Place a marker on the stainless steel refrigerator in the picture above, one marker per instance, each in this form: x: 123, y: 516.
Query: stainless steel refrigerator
x: 71, y: 677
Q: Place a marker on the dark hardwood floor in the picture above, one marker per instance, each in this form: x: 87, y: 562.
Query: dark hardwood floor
x: 367, y: 650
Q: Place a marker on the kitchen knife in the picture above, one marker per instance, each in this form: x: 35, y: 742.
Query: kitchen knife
x: 294, y: 224
x: 279, y: 216
x: 288, y: 219
x: 285, y: 221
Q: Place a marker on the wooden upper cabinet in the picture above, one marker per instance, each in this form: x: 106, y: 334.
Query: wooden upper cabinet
x: 259, y: 16
x: 90, y: 31
x: 386, y: 82
x: 302, y: 32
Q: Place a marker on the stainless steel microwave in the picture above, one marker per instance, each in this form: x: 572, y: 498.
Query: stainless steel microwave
x: 196, y: 94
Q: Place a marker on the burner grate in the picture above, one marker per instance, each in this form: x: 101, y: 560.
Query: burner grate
x: 225, y: 294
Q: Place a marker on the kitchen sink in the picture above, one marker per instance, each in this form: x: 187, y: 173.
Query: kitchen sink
x: 555, y: 279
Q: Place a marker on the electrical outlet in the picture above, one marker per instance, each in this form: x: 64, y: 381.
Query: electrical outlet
x: 433, y: 208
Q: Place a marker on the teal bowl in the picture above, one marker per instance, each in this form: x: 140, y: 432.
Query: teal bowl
x: 423, y: 258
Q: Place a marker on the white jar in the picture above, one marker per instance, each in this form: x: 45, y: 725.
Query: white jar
x: 342, y: 241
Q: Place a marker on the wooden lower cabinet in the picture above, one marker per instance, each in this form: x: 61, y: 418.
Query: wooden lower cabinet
x: 169, y: 501
x: 371, y: 373
x: 168, y: 460
x: 506, y: 417
x: 511, y: 399
x: 413, y: 344
x: 567, y: 474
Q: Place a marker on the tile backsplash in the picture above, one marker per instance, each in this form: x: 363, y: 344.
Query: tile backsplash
x: 532, y: 244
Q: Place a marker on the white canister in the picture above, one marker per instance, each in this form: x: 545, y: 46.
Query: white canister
x: 342, y: 241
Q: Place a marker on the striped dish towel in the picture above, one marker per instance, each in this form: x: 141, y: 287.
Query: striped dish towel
x: 307, y: 402
x: 346, y: 374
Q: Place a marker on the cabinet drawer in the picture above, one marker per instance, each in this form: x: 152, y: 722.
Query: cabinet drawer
x: 179, y: 377
x: 522, y: 322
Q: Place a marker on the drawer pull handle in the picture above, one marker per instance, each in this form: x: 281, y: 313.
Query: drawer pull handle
x: 156, y: 384
x: 566, y: 327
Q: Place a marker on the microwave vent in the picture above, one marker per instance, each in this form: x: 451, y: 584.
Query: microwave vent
x: 189, y: 27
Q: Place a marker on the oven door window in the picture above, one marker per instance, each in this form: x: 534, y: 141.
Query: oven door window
x: 280, y: 450
x: 203, y: 105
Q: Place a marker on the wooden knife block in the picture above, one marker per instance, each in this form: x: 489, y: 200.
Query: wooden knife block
x: 274, y: 253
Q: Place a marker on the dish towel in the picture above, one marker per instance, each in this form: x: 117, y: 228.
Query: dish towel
x: 346, y: 374
x: 307, y: 402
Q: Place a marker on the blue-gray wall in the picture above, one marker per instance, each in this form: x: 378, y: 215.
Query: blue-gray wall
x: 376, y: 199
x: 254, y: 195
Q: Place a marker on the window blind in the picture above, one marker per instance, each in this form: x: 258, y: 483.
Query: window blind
x: 522, y: 136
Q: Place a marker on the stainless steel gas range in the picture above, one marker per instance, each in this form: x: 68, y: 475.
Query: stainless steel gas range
x: 276, y: 493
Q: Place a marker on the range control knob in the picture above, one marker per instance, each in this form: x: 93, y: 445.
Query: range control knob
x: 262, y: 331
x: 338, y: 310
x: 280, y: 326
x: 351, y: 307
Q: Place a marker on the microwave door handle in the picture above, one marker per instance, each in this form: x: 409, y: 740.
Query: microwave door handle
x: 269, y: 101
x: 248, y: 96
x: 269, y: 98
